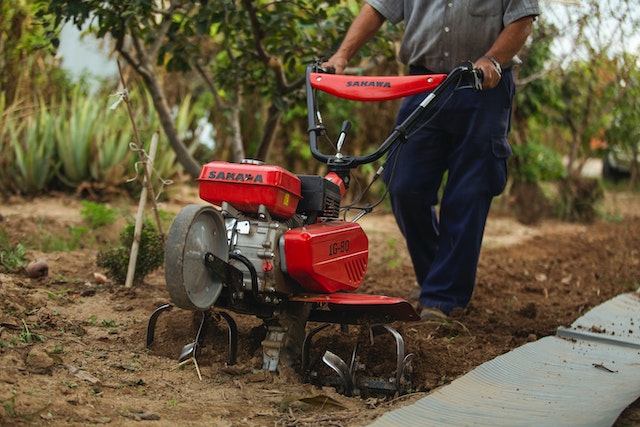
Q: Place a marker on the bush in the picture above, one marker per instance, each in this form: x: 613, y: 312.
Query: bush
x: 536, y: 163
x: 578, y: 197
x: 12, y: 257
x: 150, y: 254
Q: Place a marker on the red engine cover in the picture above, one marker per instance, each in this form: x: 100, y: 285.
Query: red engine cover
x: 327, y: 257
x: 247, y: 186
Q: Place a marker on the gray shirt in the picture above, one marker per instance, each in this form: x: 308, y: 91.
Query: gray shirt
x: 439, y: 34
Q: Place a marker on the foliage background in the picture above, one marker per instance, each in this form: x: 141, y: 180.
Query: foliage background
x: 239, y: 66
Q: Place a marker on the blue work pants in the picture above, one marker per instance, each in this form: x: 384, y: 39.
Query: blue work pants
x: 466, y: 141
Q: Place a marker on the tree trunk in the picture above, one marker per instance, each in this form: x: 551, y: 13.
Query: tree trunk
x: 529, y: 202
x: 144, y: 67
x: 237, y: 147
x: 633, y: 179
x: 268, y: 133
x: 578, y: 198
x: 183, y: 156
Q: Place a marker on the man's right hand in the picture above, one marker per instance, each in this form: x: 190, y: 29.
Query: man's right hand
x: 336, y: 62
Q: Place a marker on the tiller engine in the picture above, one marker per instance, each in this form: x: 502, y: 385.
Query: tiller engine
x: 271, y: 244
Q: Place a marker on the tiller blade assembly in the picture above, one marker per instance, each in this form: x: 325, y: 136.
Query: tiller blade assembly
x: 287, y: 342
x: 352, y: 379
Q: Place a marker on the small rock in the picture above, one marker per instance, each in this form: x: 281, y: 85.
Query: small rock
x: 88, y: 293
x: 122, y: 307
x: 38, y: 361
x: 38, y: 268
x: 100, y: 278
x: 83, y: 375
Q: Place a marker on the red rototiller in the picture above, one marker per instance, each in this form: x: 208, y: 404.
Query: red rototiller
x: 272, y: 244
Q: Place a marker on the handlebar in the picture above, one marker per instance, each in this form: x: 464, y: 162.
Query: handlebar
x: 340, y: 163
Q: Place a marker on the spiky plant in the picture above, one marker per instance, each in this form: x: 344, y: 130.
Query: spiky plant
x: 150, y: 254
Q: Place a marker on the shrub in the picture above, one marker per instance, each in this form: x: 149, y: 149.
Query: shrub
x: 578, y: 197
x: 97, y: 214
x: 536, y: 163
x: 150, y: 254
x: 12, y: 257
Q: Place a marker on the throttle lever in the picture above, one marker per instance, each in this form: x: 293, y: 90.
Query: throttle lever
x: 346, y: 127
x: 478, y: 77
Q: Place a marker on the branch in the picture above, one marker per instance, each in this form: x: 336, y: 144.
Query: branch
x: 143, y: 66
x: 165, y: 25
x: 235, y: 108
x: 212, y: 88
x: 270, y: 61
x: 207, y: 81
x: 120, y: 49
x: 256, y: 29
x: 139, y: 65
x: 532, y: 77
x: 167, y: 19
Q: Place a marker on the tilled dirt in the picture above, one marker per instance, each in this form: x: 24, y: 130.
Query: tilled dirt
x: 72, y: 350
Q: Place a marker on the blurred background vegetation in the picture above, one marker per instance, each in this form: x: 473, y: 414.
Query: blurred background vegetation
x: 224, y: 80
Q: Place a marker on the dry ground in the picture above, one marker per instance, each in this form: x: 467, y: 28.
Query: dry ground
x: 72, y: 351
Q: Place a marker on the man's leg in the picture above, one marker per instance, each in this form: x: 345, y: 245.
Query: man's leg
x: 477, y: 171
x: 463, y: 214
x: 413, y: 175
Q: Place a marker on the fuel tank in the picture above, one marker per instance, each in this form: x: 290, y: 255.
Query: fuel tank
x: 326, y: 257
x: 246, y: 186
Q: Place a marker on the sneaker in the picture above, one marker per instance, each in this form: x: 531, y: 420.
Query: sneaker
x: 432, y: 313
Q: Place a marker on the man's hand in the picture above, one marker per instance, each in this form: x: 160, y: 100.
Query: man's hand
x: 491, y: 75
x: 338, y: 63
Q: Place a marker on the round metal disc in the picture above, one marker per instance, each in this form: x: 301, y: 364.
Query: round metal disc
x: 196, y: 230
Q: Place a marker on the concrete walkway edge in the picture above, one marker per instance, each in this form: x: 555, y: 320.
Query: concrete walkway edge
x: 585, y: 375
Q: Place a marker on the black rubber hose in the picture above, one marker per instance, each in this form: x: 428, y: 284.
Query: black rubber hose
x: 252, y: 270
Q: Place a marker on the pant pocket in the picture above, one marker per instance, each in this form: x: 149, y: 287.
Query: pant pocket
x: 498, y: 174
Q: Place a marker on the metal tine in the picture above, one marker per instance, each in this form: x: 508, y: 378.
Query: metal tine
x: 233, y: 337
x: 400, y: 361
x: 352, y: 365
x: 151, y: 325
x: 407, y: 361
x: 306, y: 345
x: 337, y: 364
x: 189, y: 350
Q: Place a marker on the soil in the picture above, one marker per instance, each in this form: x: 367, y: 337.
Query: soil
x: 72, y: 349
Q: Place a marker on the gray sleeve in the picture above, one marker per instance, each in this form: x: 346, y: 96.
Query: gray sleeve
x: 393, y: 10
x: 517, y: 9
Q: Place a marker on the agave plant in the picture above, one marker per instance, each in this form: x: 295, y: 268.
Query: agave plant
x: 32, y: 142
x: 6, y: 160
x: 82, y: 143
x: 110, y: 163
x: 75, y: 133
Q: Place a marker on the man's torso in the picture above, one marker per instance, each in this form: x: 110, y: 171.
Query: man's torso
x: 441, y: 34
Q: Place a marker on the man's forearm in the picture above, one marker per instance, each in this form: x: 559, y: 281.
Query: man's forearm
x: 507, y: 45
x: 365, y: 25
x: 511, y: 40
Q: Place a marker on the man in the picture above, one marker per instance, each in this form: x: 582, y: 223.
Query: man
x: 466, y: 139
